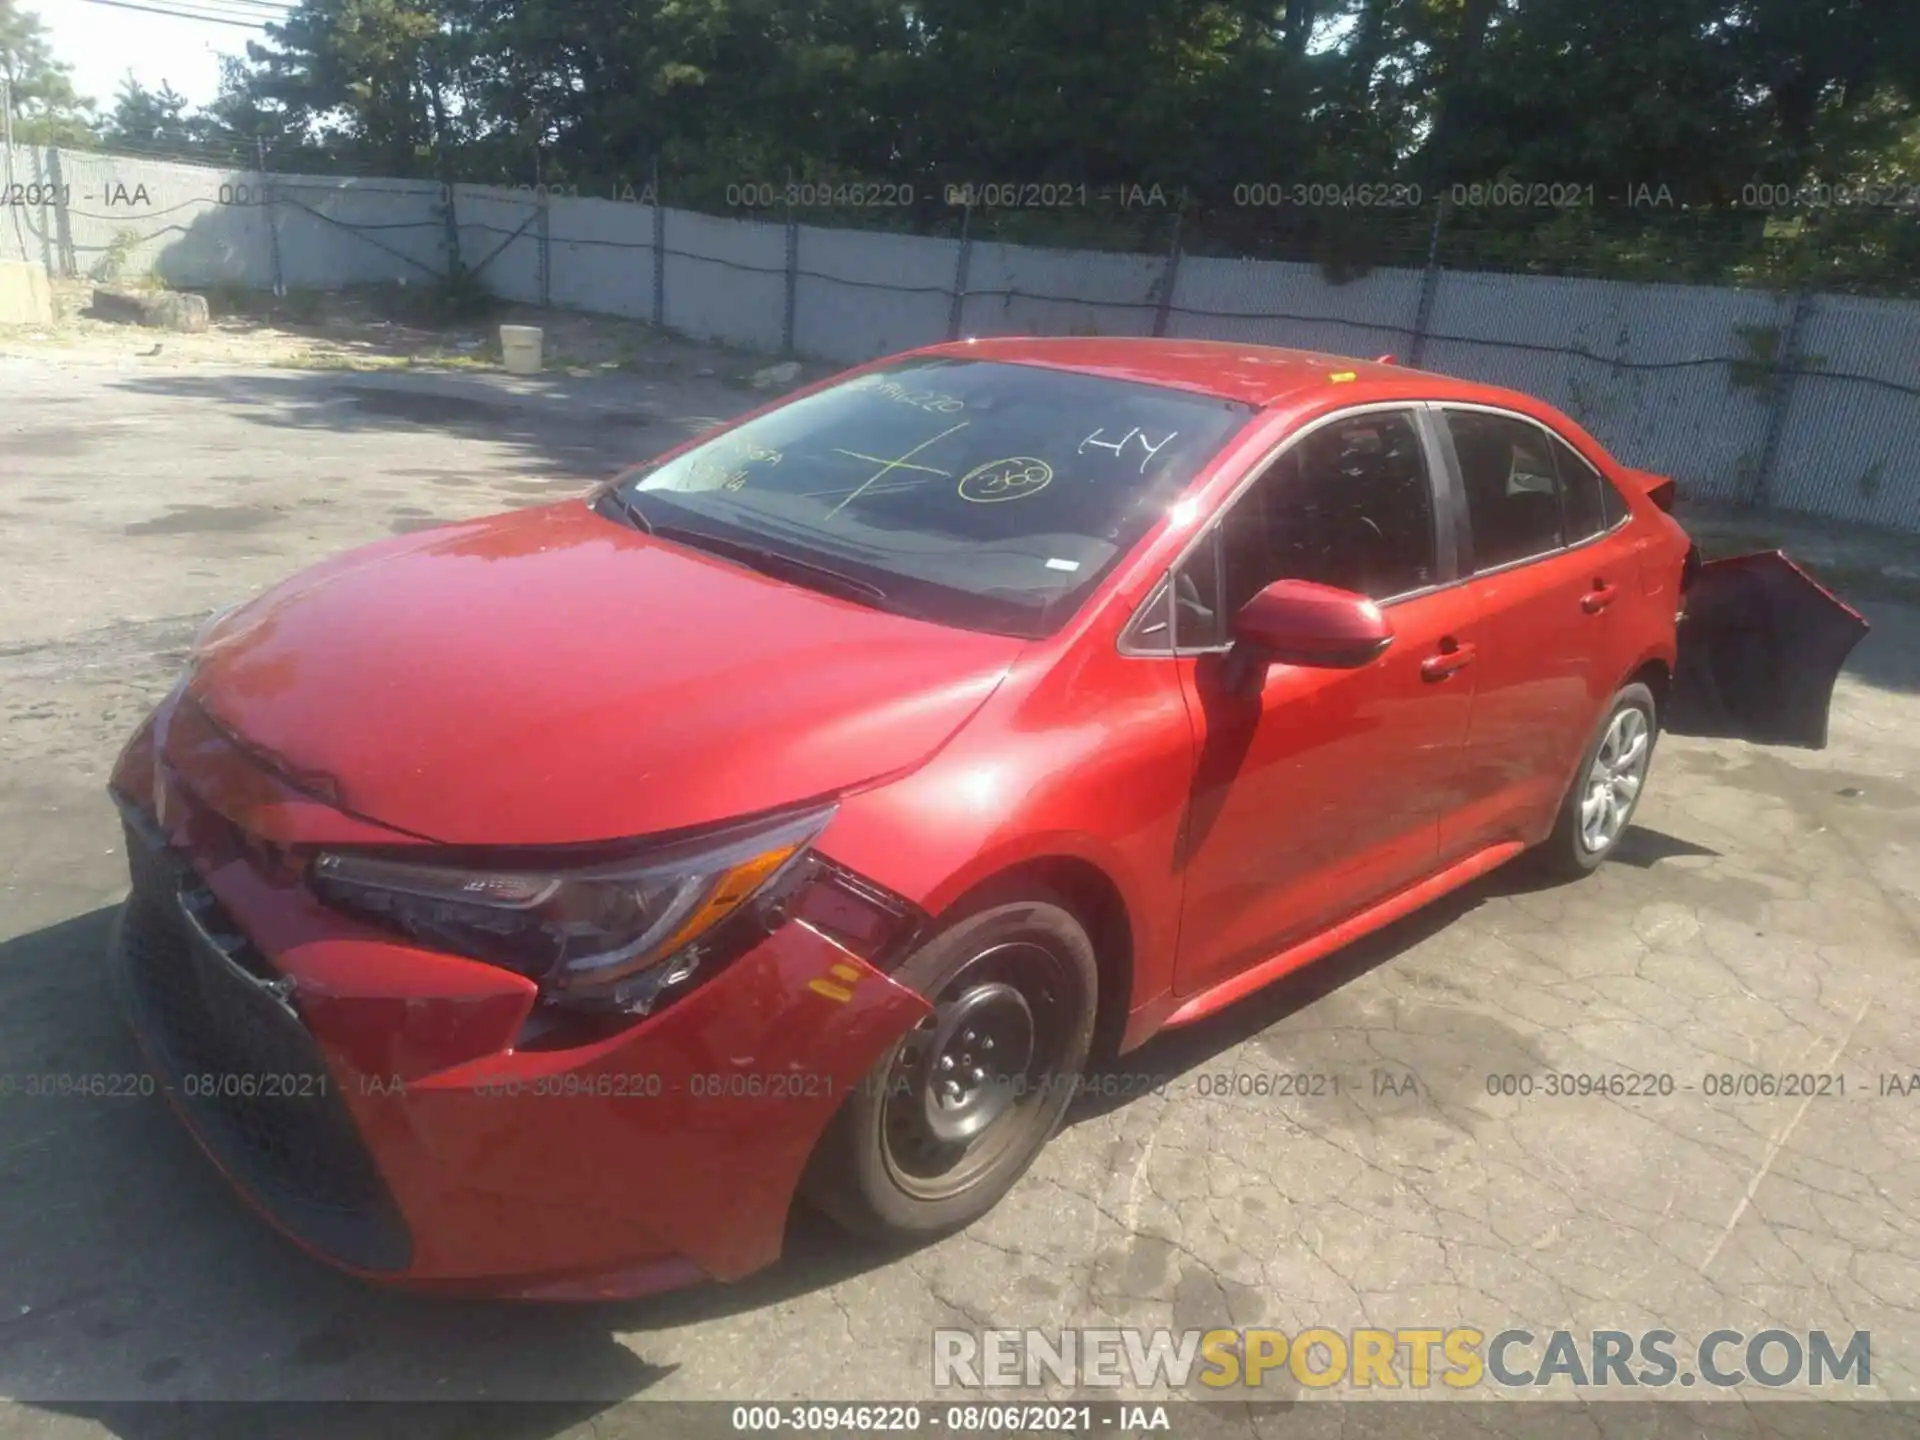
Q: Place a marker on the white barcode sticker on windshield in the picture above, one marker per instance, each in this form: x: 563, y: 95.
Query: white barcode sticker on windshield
x: 1058, y: 564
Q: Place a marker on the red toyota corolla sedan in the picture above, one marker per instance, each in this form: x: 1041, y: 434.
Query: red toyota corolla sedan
x: 536, y: 905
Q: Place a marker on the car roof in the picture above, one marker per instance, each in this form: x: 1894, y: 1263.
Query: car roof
x: 1260, y: 375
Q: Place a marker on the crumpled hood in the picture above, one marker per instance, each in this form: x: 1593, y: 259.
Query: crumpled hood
x: 550, y: 677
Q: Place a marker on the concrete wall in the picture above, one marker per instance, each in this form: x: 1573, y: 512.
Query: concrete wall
x: 1649, y: 369
x: 96, y: 215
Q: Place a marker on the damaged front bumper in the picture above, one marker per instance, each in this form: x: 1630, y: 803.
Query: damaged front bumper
x: 382, y: 1105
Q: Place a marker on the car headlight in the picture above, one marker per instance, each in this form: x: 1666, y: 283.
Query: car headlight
x: 614, y: 933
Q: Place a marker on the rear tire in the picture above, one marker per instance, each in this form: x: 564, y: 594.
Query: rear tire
x: 1606, y: 789
x: 958, y: 1108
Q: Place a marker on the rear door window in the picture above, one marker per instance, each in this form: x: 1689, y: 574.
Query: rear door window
x: 1512, y: 487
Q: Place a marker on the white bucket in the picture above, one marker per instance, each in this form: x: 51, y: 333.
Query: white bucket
x: 520, y: 349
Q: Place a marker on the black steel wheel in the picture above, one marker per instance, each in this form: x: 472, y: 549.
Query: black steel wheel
x: 957, y: 1109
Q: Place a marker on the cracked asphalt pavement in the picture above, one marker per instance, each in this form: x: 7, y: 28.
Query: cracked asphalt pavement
x: 1762, y: 919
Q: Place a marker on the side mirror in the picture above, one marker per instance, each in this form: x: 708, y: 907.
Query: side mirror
x: 1297, y: 622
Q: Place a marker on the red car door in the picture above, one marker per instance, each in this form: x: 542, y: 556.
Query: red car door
x: 1555, y: 584
x: 1319, y: 791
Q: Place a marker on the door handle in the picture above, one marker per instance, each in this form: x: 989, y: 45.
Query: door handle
x: 1598, y: 598
x: 1451, y: 657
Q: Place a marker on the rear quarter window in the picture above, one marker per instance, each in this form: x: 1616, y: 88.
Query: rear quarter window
x: 1613, y: 505
x: 1593, y: 506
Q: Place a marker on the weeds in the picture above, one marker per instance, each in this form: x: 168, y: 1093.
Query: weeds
x: 112, y: 264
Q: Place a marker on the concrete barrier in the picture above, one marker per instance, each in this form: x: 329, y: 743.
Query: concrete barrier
x: 25, y: 296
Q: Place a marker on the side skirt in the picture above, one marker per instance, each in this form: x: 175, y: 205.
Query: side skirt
x: 1394, y: 907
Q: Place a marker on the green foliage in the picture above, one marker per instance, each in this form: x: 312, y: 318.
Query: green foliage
x: 46, y: 111
x: 144, y: 119
x: 112, y: 263
x: 1669, y: 130
x: 1754, y: 370
x: 1761, y: 361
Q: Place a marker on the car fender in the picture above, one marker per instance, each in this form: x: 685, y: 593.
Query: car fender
x: 1662, y: 652
x: 939, y: 868
x: 1008, y: 794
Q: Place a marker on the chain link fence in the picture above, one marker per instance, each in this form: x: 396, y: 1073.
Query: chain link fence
x: 1794, y: 381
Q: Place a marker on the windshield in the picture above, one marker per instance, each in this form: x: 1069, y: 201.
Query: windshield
x: 979, y: 494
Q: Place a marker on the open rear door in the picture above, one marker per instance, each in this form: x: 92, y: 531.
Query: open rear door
x: 1760, y: 646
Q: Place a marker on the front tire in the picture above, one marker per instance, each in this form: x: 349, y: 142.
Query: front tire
x: 1606, y: 789
x: 958, y: 1108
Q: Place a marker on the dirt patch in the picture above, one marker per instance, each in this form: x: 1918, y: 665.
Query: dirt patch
x: 378, y: 328
x: 204, y: 520
x: 424, y: 409
x: 437, y: 408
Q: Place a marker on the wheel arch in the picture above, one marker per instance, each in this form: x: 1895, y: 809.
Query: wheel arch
x: 1657, y: 675
x: 1097, y: 902
x: 1655, y: 671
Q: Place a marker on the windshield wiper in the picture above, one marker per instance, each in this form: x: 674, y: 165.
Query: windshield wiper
x: 781, y: 566
x: 635, y: 515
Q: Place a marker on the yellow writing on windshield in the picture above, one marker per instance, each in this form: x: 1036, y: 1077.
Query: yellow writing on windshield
x: 1013, y: 478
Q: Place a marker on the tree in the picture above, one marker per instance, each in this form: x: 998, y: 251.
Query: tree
x: 152, y: 119
x: 1710, y: 101
x: 244, y: 122
x: 377, y: 82
x: 46, y: 110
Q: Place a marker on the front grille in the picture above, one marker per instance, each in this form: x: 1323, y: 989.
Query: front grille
x: 226, y: 1037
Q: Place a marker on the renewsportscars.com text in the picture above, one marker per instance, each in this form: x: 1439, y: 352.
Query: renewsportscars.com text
x: 1457, y: 1357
